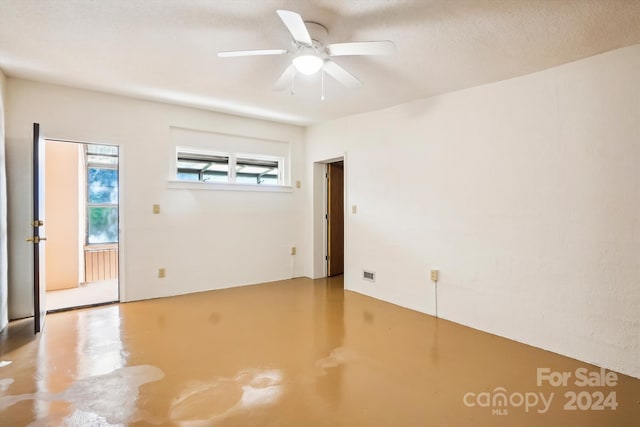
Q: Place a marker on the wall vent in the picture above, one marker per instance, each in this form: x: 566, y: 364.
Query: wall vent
x: 369, y: 276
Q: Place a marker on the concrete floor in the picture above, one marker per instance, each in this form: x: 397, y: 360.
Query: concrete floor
x: 297, y: 353
x: 84, y: 295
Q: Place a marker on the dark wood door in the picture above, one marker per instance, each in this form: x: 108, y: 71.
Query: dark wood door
x: 39, y: 285
x: 335, y: 218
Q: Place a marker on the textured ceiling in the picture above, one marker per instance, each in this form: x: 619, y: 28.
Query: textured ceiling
x: 165, y: 50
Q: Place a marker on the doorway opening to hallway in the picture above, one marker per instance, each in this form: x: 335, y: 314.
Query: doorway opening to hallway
x: 335, y: 218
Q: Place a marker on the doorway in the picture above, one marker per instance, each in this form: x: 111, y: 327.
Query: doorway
x: 335, y: 218
x: 82, y: 214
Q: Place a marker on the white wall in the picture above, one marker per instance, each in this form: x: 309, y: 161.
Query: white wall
x: 524, y: 193
x: 205, y: 239
x: 3, y: 210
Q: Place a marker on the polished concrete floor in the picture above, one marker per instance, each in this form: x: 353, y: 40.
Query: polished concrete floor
x: 297, y: 353
x: 84, y: 295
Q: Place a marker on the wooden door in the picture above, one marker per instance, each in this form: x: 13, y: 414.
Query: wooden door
x: 39, y: 278
x: 335, y: 218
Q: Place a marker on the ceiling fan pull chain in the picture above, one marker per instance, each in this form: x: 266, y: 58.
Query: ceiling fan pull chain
x: 322, y: 80
x: 293, y: 81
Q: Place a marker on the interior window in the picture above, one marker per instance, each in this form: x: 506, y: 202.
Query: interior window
x: 202, y: 167
x: 228, y: 168
x: 254, y: 171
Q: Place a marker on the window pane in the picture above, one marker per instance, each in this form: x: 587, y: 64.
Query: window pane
x: 111, y: 150
x: 192, y: 165
x: 269, y: 180
x: 102, y: 155
x: 256, y: 171
x: 215, y: 176
x: 187, y: 176
x: 103, y: 225
x: 202, y: 167
x: 103, y: 185
x: 246, y: 179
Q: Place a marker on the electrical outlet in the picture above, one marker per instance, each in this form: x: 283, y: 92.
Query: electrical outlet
x: 435, y: 275
x: 293, y: 250
x: 162, y: 273
x: 298, y: 184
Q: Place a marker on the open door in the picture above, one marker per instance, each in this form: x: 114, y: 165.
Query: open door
x: 39, y: 285
x: 335, y: 218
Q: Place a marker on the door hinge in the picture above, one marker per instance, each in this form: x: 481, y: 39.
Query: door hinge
x: 36, y: 239
x: 326, y: 216
x: 326, y: 257
x: 37, y: 223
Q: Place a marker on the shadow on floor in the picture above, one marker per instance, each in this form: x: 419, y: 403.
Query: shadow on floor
x: 16, y: 334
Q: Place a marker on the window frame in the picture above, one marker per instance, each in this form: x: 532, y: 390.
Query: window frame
x: 260, y: 157
x: 202, y: 153
x: 231, y: 184
x: 88, y: 205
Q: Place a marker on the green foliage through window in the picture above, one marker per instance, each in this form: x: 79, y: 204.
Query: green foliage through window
x: 103, y: 225
x: 102, y: 194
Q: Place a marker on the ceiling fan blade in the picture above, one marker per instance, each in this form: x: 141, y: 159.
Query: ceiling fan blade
x: 254, y: 52
x: 341, y: 75
x: 285, y: 79
x: 296, y: 26
x: 384, y: 47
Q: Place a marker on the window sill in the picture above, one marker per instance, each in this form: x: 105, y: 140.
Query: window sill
x: 218, y: 186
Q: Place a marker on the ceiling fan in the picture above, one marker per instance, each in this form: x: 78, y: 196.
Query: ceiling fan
x: 311, y: 54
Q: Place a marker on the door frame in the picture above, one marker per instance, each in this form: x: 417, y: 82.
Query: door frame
x: 38, y: 197
x: 121, y: 210
x: 320, y: 228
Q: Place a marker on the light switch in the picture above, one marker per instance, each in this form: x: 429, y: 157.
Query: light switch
x: 156, y: 209
x: 354, y: 209
x: 298, y: 184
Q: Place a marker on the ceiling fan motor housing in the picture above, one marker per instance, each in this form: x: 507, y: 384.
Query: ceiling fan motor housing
x: 318, y: 34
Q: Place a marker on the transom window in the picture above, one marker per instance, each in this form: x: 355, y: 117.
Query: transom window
x: 256, y: 171
x: 202, y: 167
x: 195, y: 165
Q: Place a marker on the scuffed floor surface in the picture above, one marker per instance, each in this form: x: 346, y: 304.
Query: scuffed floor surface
x: 296, y: 353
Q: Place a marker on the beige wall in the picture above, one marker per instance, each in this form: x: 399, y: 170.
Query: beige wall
x: 205, y: 239
x: 3, y: 212
x: 62, y: 214
x: 524, y: 193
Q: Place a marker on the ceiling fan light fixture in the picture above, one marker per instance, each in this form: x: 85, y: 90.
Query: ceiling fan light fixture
x: 307, y: 64
x: 311, y: 54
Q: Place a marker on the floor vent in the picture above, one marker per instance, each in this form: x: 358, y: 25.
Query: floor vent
x: 369, y: 276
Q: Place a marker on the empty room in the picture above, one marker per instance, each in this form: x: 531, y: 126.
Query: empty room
x: 398, y: 213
